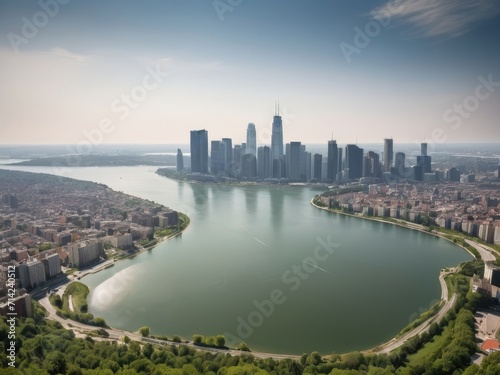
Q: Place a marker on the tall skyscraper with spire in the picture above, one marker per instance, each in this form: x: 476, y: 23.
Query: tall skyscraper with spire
x: 251, y: 139
x: 277, y: 135
x: 332, y: 161
x: 277, y: 144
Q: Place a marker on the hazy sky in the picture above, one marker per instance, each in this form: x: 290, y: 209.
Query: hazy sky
x: 150, y: 71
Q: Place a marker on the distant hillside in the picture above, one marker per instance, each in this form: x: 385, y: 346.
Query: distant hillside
x: 102, y: 161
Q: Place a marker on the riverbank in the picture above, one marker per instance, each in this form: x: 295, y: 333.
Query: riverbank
x: 399, y: 223
x: 212, y: 181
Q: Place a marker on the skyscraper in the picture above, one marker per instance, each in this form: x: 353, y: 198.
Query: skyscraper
x: 340, y: 164
x: 371, y: 165
x: 425, y: 162
x: 318, y: 161
x: 305, y: 164
x: 199, y: 151
x: 294, y: 160
x: 228, y: 153
x: 180, y: 161
x: 238, y: 153
x: 251, y: 139
x: 264, y: 162
x: 423, y: 149
x: 332, y: 162
x: 249, y: 166
x: 453, y: 174
x: 400, y: 164
x: 388, y: 154
x: 217, y: 157
x: 354, y: 161
x: 277, y: 145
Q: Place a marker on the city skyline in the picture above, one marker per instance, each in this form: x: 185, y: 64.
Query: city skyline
x: 141, y: 74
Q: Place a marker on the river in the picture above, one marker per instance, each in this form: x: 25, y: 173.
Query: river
x: 261, y: 265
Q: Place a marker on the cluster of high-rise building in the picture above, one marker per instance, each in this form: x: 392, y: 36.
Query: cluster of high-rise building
x: 291, y: 161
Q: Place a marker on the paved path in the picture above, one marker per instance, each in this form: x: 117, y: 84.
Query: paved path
x: 486, y: 253
x: 118, y: 335
x: 396, y: 343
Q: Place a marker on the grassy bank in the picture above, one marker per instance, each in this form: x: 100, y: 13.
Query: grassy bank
x: 78, y: 293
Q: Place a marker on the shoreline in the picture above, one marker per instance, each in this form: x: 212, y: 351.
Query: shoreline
x: 407, y: 225
x: 111, y: 262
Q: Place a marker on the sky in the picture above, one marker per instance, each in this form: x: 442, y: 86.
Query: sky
x: 109, y: 71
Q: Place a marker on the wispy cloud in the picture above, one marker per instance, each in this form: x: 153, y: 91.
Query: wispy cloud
x: 444, y: 18
x: 62, y: 52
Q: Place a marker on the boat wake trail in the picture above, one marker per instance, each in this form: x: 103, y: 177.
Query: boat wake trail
x: 259, y: 241
x: 256, y: 239
x: 312, y: 264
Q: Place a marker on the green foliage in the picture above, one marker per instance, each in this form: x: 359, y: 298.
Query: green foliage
x: 475, y: 267
x: 144, y: 331
x: 197, y: 339
x: 45, y: 246
x: 220, y: 341
x: 78, y: 293
x: 56, y: 301
x: 55, y: 363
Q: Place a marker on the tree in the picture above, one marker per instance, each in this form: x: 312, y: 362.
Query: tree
x: 353, y: 360
x: 151, y: 235
x: 220, y: 341
x: 314, y: 359
x: 126, y: 339
x: 243, y: 347
x: 434, y: 329
x: 55, y: 363
x: 144, y: 331
x: 148, y: 350
x: 197, y: 339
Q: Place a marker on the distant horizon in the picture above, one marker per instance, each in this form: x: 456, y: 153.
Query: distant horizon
x: 258, y: 144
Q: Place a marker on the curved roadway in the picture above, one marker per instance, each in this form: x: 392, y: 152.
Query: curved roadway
x: 486, y: 254
x: 118, y: 335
